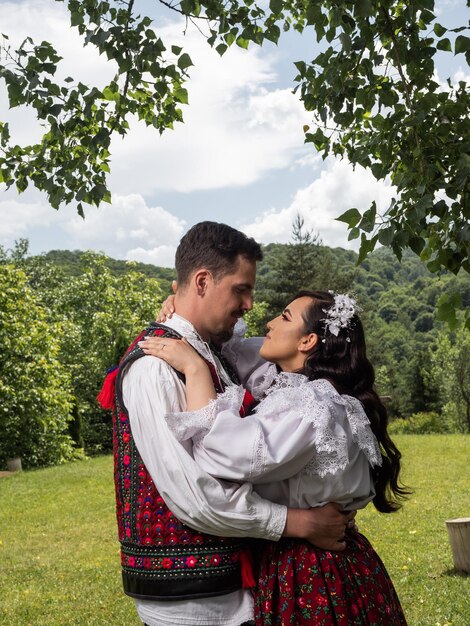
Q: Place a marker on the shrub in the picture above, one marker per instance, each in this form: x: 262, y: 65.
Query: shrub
x: 34, y: 386
x: 419, y: 424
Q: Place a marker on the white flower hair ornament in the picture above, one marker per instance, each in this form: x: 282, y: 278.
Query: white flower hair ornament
x: 339, y: 314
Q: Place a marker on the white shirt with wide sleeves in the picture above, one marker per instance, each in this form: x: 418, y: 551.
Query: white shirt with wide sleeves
x: 305, y: 445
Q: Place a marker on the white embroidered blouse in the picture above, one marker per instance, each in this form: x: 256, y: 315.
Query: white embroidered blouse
x: 305, y: 445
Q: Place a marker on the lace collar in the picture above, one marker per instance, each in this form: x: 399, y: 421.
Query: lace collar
x: 274, y: 380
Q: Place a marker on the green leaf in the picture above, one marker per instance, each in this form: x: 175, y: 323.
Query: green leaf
x: 462, y: 44
x: 368, y: 219
x: 80, y: 210
x: 386, y: 235
x: 345, y: 41
x: 417, y: 244
x: 181, y: 95
x: 76, y: 18
x: 354, y: 234
x: 446, y: 309
x: 425, y: 4
x: 276, y: 6
x: 434, y: 266
x: 444, y: 44
x: 439, y: 30
x: 15, y: 94
x: 229, y: 39
x: 313, y: 13
x: 351, y: 217
x: 318, y: 138
x: 187, y: 6
x: 184, y: 61
x: 109, y: 93
x: 426, y: 17
x: 243, y: 43
x: 363, y: 8
x: 221, y: 48
x: 364, y: 249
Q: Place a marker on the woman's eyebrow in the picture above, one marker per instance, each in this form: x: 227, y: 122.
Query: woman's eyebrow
x: 287, y: 311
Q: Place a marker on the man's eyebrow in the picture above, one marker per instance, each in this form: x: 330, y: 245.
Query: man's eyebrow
x: 244, y: 286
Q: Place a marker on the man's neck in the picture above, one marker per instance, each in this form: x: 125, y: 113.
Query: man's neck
x: 189, y: 311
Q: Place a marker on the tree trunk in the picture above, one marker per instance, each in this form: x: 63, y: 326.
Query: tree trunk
x: 459, y: 537
x: 14, y: 465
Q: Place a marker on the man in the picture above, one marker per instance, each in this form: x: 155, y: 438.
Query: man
x: 178, y: 575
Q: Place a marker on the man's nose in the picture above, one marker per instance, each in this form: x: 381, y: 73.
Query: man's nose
x: 248, y: 303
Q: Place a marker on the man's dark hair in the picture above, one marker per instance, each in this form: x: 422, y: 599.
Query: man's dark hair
x: 215, y: 247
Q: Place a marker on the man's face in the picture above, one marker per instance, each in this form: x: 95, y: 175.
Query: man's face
x: 227, y: 299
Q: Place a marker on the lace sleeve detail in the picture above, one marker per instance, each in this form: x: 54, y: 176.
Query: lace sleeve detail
x: 277, y: 522
x: 195, y: 424
x: 331, y: 445
x: 331, y: 439
x: 361, y: 430
x: 335, y: 419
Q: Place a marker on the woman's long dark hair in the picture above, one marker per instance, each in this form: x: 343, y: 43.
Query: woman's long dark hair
x: 343, y: 362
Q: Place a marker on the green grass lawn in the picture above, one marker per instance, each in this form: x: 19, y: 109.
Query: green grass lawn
x: 59, y: 557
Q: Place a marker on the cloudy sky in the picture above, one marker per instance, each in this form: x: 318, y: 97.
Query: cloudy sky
x: 238, y: 158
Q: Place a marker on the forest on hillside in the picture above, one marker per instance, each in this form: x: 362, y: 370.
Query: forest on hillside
x: 67, y: 316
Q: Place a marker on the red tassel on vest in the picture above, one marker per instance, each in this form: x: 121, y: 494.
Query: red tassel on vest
x: 106, y: 395
x: 246, y: 565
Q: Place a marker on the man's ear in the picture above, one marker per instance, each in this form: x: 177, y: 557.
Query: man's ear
x: 201, y: 280
x: 308, y: 342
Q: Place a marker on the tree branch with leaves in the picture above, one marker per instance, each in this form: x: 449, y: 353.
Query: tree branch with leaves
x: 372, y: 92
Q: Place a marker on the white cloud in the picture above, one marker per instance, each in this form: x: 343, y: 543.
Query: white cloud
x: 162, y: 256
x: 338, y: 188
x: 43, y: 20
x: 235, y: 129
x: 461, y: 75
x: 127, y: 228
x: 16, y: 218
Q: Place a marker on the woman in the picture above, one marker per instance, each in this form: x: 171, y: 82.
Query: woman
x: 317, y: 435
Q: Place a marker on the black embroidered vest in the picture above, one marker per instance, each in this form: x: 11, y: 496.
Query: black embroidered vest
x: 162, y: 558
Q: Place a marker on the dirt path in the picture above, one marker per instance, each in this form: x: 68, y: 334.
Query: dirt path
x: 5, y: 474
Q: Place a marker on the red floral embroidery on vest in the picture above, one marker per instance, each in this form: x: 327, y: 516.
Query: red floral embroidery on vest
x: 154, y: 543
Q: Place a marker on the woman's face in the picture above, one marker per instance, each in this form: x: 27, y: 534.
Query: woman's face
x: 286, y: 343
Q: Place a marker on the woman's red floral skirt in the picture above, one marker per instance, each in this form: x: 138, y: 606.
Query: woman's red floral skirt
x: 300, y: 584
